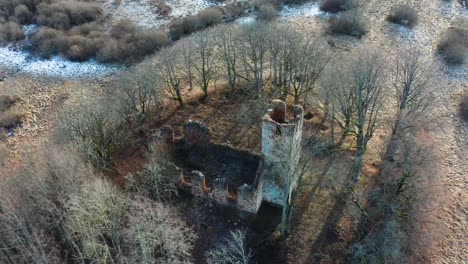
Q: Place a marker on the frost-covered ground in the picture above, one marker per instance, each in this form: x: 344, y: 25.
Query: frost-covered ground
x: 14, y: 58
x: 146, y: 13
x: 55, y: 66
x: 310, y: 9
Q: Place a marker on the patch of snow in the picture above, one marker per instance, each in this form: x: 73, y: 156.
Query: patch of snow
x: 181, y: 8
x: 144, y: 14
x: 140, y: 13
x: 55, y: 66
x: 29, y: 29
x: 246, y: 19
x: 309, y: 9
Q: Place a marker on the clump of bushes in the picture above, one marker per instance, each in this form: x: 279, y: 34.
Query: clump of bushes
x: 234, y: 10
x: 64, y: 15
x: 190, y: 24
x: 211, y: 16
x: 11, y: 111
x: 335, y: 6
x: 347, y: 24
x: 71, y: 29
x: 55, y: 14
x: 454, y: 45
x: 464, y: 106
x: 9, y: 32
x: 23, y: 15
x: 125, y: 44
x: 267, y: 12
x: 403, y: 15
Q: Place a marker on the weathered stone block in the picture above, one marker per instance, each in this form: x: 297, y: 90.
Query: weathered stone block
x: 164, y: 135
x: 247, y: 198
x: 196, y: 133
x: 220, y: 190
x: 198, y: 183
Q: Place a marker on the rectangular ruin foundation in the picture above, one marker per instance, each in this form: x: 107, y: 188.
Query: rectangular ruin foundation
x: 236, y: 177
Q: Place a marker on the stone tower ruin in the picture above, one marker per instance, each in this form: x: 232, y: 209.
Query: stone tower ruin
x: 281, y: 150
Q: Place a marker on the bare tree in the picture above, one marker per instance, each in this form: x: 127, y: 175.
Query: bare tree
x: 225, y: 39
x: 233, y: 251
x: 95, y: 128
x: 205, y: 60
x: 253, y: 51
x: 309, y: 59
x: 281, y: 43
x: 95, y: 214
x: 340, y: 97
x: 156, y: 234
x: 159, y: 177
x: 357, y: 93
x: 412, y: 76
x: 35, y: 217
x: 168, y: 65
x: 188, y: 62
x: 367, y: 84
x: 137, y: 91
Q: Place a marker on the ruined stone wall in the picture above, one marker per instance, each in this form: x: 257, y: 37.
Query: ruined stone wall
x: 248, y: 197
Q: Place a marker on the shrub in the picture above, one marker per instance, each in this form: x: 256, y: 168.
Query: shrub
x: 233, y: 250
x: 47, y: 42
x: 155, y: 233
x: 10, y: 31
x: 11, y: 111
x: 234, y: 9
x: 211, y: 16
x: 12, y: 116
x: 132, y: 43
x: 95, y: 214
x: 36, y: 196
x: 335, y: 6
x: 454, y: 45
x: 23, y: 15
x: 63, y: 15
x: 126, y: 42
x: 404, y: 15
x: 267, y: 12
x: 185, y: 26
x: 348, y: 25
x: 464, y: 106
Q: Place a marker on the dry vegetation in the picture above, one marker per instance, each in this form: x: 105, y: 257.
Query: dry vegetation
x: 74, y: 30
x: 404, y: 15
x: 454, y: 43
